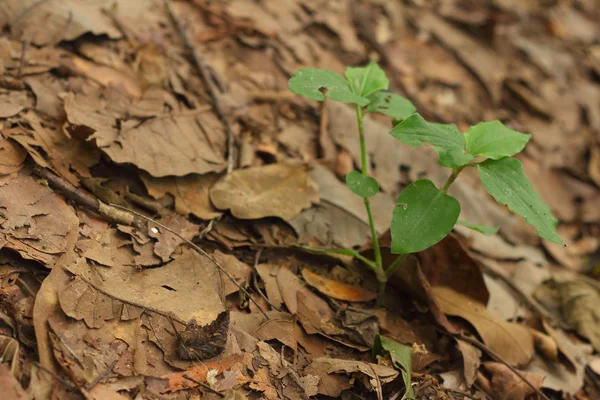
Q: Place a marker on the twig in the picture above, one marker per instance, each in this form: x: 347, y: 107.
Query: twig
x: 206, y: 76
x: 204, y: 385
x: 58, y: 378
x: 100, y: 377
x: 85, y: 199
x: 499, y: 359
x: 197, y: 249
x: 460, y: 393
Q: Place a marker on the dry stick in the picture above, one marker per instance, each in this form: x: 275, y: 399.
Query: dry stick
x: 499, y: 359
x: 24, y: 46
x: 204, y: 385
x: 206, y: 76
x: 198, y: 249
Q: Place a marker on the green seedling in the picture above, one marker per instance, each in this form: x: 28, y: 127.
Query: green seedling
x: 425, y: 214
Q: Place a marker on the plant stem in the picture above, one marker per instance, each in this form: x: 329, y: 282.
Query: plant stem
x: 452, y: 177
x: 364, y: 167
x: 394, y: 266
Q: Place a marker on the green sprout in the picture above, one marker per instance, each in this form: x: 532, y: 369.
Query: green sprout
x: 425, y: 214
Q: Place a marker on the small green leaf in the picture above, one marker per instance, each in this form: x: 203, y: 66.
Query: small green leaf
x: 505, y: 180
x: 481, y: 228
x: 401, y: 358
x: 364, y: 81
x: 362, y: 185
x: 423, y: 216
x: 390, y: 104
x: 494, y: 140
x: 319, y: 84
x: 447, y: 141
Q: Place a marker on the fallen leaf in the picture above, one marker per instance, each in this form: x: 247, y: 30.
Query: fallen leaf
x: 276, y: 190
x: 240, y: 271
x: 471, y: 361
x: 12, y: 157
x: 36, y: 222
x: 64, y: 21
x: 506, y: 385
x: 167, y: 242
x: 11, y: 388
x: 401, y: 359
x: 191, y: 193
x: 512, y: 342
x: 335, y: 289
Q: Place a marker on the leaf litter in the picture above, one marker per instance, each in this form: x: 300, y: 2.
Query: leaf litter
x: 104, y: 101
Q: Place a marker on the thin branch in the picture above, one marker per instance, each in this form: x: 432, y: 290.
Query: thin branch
x: 197, y: 249
x: 205, y: 74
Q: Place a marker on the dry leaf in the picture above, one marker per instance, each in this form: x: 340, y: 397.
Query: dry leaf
x: 276, y: 190
x: 506, y: 385
x: 471, y: 361
x: 12, y: 157
x: 512, y: 342
x: 335, y: 289
x: 191, y: 193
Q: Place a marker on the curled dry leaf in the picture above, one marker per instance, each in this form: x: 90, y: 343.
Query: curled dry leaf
x: 512, y: 342
x: 276, y: 190
x: 335, y: 289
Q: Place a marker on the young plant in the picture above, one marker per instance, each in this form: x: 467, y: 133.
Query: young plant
x: 425, y: 214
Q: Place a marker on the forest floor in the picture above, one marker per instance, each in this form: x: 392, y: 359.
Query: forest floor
x: 155, y: 170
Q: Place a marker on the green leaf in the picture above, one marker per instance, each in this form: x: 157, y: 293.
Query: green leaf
x: 494, y: 140
x: 481, y: 228
x: 423, y: 216
x: 362, y: 185
x: 390, y: 104
x: 364, y: 81
x: 505, y: 180
x: 319, y: 84
x: 401, y: 358
x: 447, y: 141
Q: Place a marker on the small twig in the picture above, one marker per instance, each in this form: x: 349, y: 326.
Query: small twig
x: 460, y: 393
x: 197, y: 249
x: 380, y: 386
x: 209, y: 227
x: 100, y: 377
x: 204, y: 385
x: 205, y: 74
x: 497, y: 358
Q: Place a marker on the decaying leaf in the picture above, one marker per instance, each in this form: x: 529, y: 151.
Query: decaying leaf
x: 514, y: 343
x: 12, y: 157
x: 191, y: 193
x: 506, y: 385
x: 335, y: 289
x: 276, y: 190
x: 35, y: 221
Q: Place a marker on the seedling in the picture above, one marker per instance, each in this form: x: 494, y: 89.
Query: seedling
x: 425, y: 214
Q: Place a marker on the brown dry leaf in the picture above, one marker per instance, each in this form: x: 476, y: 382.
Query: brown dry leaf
x: 62, y: 21
x: 167, y: 242
x: 578, y: 299
x: 12, y: 157
x: 159, y: 289
x: 512, y: 342
x: 105, y: 249
x: 107, y: 76
x: 47, y: 88
x: 12, y: 103
x: 276, y: 190
x: 9, y: 386
x: 35, y: 222
x: 506, y: 385
x: 268, y: 274
x: 375, y: 375
x: 335, y: 289
x: 489, y: 68
x: 471, y: 361
x: 174, y: 145
x: 240, y: 271
x: 191, y: 193
x: 340, y: 218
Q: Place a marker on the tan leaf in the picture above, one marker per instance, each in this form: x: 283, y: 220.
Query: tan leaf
x: 276, y: 190
x: 335, y: 289
x: 191, y: 193
x: 512, y: 342
x: 12, y: 157
x: 506, y: 385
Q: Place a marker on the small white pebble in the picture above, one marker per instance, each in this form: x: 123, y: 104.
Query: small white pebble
x: 211, y: 377
x: 154, y: 230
